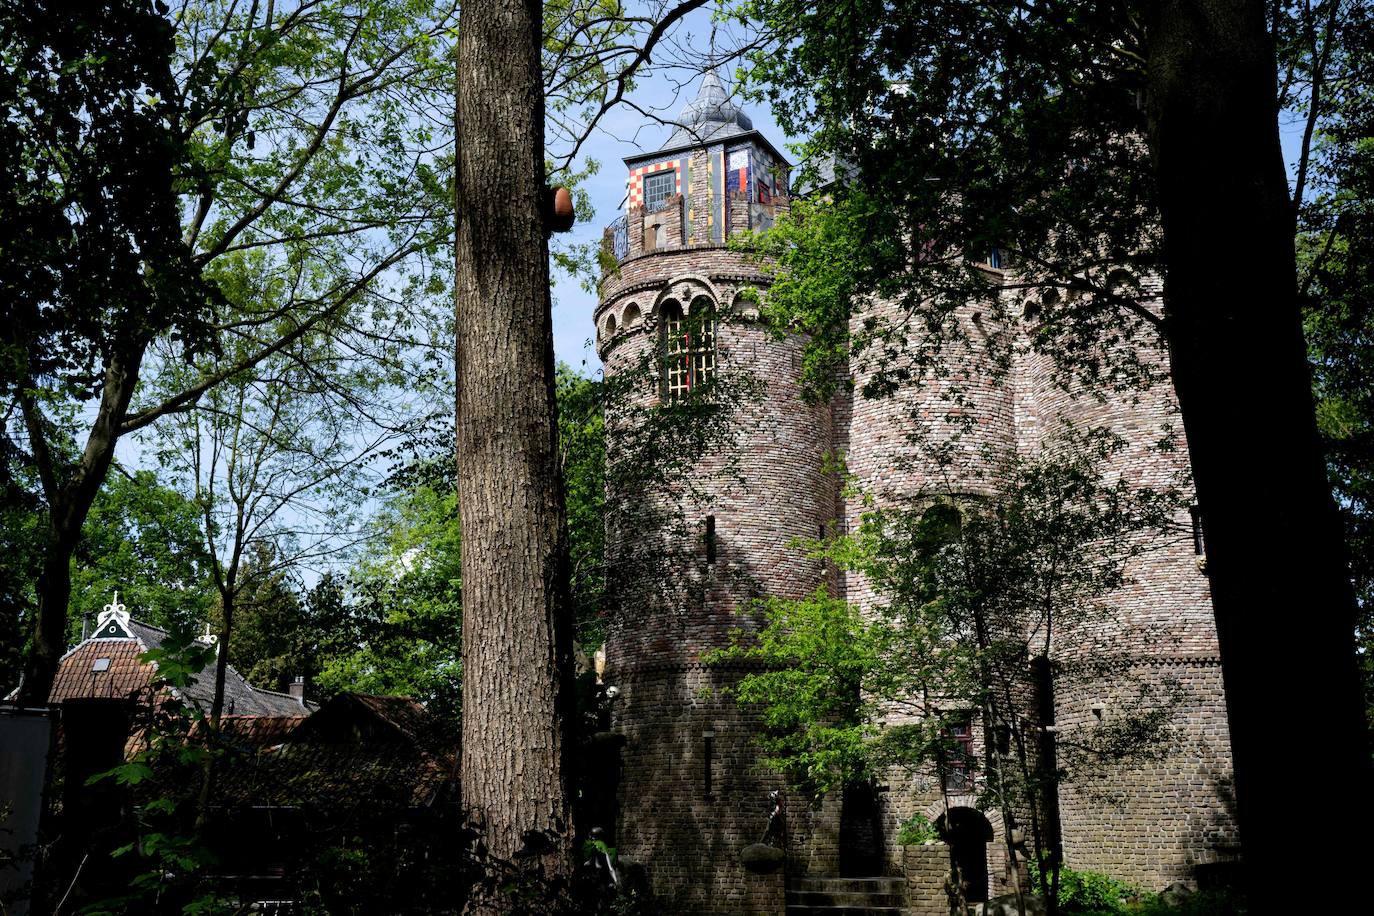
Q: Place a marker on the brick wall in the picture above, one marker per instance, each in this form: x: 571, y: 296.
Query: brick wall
x: 767, y: 486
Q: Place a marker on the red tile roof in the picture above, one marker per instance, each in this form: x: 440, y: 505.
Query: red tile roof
x: 124, y: 675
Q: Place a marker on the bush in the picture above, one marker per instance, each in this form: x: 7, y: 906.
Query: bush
x: 916, y: 830
x: 1089, y: 893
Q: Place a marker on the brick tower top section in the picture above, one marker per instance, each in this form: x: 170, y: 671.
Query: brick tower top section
x: 716, y: 176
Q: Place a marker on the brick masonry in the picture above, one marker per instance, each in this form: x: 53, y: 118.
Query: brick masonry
x: 1152, y: 824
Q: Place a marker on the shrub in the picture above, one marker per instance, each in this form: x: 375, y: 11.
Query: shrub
x: 1089, y: 893
x: 916, y: 830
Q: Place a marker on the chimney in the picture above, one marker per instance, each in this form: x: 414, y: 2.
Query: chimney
x: 297, y: 689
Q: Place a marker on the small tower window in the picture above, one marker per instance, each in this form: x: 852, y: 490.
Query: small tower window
x: 658, y: 187
x: 959, y: 773
x: 689, y: 347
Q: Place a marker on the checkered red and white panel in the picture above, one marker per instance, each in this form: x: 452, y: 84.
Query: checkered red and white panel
x: 636, y: 193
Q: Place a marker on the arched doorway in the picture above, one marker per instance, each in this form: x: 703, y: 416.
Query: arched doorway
x: 968, y: 833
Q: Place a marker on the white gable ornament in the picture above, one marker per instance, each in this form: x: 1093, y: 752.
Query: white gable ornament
x: 113, y: 622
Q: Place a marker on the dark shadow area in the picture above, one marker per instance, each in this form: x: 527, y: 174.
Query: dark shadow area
x: 968, y: 832
x: 861, y: 834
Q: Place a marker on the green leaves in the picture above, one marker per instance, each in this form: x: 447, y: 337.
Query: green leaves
x: 144, y: 540
x: 938, y: 132
x: 968, y: 591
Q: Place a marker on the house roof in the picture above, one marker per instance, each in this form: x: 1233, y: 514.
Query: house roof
x: 356, y: 749
x: 711, y: 117
x: 108, y: 666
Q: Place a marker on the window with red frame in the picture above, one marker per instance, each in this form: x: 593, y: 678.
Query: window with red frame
x: 959, y: 770
x: 689, y: 347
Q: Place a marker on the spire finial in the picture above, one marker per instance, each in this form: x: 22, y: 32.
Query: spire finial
x: 113, y: 611
x: 113, y: 621
x: 114, y: 607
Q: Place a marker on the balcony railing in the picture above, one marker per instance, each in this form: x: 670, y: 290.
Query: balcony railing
x: 620, y: 238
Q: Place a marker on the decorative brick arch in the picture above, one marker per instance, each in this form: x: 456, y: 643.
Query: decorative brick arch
x: 684, y: 290
x: 936, y: 809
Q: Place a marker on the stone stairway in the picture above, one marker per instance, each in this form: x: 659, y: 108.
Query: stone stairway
x: 845, y: 896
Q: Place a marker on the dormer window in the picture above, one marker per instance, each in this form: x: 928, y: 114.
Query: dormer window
x: 658, y: 187
x: 689, y: 347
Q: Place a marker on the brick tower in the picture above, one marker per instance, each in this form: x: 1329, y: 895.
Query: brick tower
x: 691, y: 792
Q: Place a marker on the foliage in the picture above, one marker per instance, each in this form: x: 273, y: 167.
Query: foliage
x: 21, y: 545
x: 972, y: 592
x: 169, y: 863
x: 93, y: 244
x: 274, y: 638
x: 1089, y: 891
x: 1027, y: 127
x: 142, y: 539
x: 916, y: 830
x: 313, y: 203
x: 1336, y: 276
x: 99, y: 265
x: 393, y: 626
x: 582, y: 460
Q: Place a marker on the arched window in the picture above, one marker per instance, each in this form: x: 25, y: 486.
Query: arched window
x: 689, y: 347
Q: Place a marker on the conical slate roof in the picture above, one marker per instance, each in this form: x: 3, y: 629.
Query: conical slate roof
x: 710, y: 117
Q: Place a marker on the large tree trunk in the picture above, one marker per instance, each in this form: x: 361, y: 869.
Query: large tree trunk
x: 1285, y: 609
x: 70, y: 492
x: 517, y: 645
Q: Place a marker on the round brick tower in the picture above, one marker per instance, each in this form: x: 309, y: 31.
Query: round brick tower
x: 694, y: 546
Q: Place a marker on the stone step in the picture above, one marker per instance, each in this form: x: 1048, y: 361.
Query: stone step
x: 877, y: 884
x: 831, y: 896
x: 843, y: 898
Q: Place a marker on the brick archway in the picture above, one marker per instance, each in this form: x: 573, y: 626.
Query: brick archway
x: 936, y: 809
x: 684, y: 290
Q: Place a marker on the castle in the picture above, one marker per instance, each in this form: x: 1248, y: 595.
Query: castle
x: 690, y: 792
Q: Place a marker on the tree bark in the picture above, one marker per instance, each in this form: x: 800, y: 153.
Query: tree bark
x: 517, y: 640
x: 1285, y: 609
x: 69, y: 497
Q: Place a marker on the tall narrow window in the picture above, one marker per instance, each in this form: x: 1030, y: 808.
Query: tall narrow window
x: 689, y: 347
x: 708, y: 750
x: 959, y: 775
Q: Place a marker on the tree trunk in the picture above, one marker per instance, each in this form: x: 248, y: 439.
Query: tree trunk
x: 1285, y: 609
x: 54, y: 589
x: 212, y: 723
x: 517, y: 641
x: 69, y: 502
